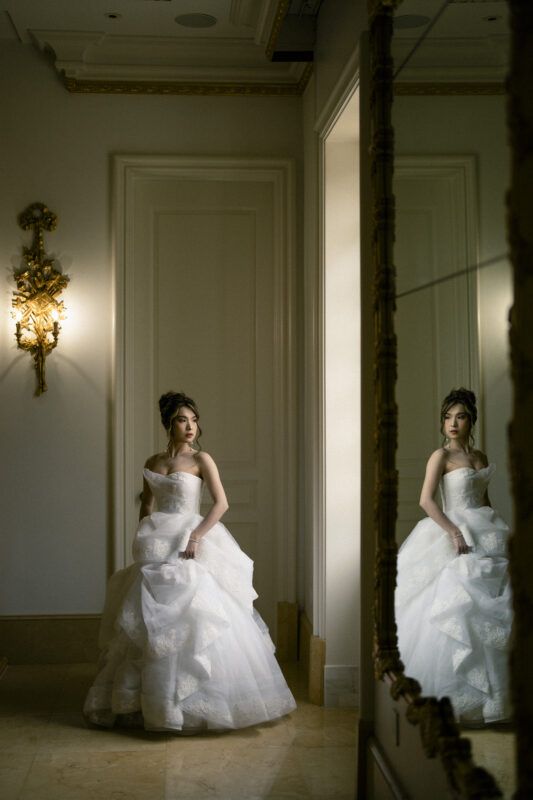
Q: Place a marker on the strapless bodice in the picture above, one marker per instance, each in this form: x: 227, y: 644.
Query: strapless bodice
x: 178, y: 492
x: 465, y: 487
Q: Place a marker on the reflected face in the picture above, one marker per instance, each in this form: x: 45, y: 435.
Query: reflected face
x: 184, y: 426
x: 456, y: 423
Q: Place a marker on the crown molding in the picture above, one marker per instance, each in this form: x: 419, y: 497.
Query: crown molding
x: 95, y: 61
x: 279, y: 16
x: 228, y: 89
x: 446, y: 88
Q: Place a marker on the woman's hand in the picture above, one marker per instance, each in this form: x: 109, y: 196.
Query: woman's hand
x: 190, y: 550
x: 461, y: 546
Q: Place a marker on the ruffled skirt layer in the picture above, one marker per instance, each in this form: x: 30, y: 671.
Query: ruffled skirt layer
x: 182, y: 644
x: 454, y: 613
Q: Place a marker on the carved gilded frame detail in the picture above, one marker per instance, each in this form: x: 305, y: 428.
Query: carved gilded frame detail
x: 438, y: 730
x: 520, y: 239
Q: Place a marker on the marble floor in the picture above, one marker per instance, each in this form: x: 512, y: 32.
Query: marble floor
x: 47, y: 751
x: 495, y: 749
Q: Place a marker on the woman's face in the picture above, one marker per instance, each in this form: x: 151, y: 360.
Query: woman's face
x: 184, y: 426
x: 457, y: 423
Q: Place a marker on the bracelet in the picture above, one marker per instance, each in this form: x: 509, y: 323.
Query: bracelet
x: 194, y: 540
x: 456, y: 535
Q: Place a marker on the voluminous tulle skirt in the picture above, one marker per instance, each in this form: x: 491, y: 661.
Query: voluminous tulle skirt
x: 183, y: 647
x: 454, y: 613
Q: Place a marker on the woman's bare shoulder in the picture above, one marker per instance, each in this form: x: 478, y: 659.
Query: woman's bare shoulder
x: 206, y: 465
x: 154, y: 461
x: 204, y: 459
x: 439, y: 456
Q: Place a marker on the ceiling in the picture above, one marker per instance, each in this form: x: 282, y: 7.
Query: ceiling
x: 171, y: 46
x: 246, y: 47
x: 458, y: 41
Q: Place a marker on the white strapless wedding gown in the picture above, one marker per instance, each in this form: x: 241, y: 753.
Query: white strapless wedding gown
x: 182, y: 643
x: 454, y: 612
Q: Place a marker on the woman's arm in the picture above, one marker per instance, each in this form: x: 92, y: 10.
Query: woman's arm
x: 209, y: 472
x: 434, y: 471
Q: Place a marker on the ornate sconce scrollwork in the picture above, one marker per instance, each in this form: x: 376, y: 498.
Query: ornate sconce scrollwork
x: 36, y: 307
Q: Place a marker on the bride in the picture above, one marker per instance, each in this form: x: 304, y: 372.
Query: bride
x: 453, y: 597
x: 183, y: 648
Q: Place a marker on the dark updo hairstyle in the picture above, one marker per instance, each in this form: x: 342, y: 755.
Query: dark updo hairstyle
x: 468, y: 400
x: 170, y: 402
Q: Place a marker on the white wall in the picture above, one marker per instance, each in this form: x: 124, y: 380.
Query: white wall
x: 342, y: 393
x: 476, y: 125
x: 55, y: 148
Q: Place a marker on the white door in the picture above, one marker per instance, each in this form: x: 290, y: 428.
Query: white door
x: 204, y: 305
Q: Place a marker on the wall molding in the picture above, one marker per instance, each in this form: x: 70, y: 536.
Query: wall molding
x: 50, y: 638
x: 312, y: 657
x: 448, y: 88
x: 387, y: 772
x: 287, y: 631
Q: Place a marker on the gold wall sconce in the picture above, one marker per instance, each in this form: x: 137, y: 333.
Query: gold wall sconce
x: 36, y: 307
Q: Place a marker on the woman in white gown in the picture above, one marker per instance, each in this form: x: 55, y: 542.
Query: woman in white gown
x: 453, y: 597
x: 183, y: 648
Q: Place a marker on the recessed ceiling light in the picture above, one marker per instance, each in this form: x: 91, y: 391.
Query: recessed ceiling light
x: 196, y: 20
x: 404, y: 21
x: 112, y: 15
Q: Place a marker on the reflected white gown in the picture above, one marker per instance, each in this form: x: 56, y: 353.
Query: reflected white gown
x: 182, y: 643
x: 454, y: 612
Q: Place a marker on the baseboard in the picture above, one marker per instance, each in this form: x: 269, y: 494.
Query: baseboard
x: 50, y: 639
x: 287, y: 631
x: 341, y: 686
x: 312, y: 658
x: 73, y: 638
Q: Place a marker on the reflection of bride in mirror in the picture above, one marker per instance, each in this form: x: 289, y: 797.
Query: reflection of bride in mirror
x: 453, y: 602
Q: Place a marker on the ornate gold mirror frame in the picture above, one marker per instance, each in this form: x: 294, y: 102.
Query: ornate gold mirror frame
x: 439, y: 733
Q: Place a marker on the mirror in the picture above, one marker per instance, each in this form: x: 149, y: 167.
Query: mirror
x: 454, y: 281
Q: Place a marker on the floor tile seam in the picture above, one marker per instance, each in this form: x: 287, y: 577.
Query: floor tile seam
x: 16, y: 712
x: 85, y: 750
x: 266, y: 746
x: 27, y: 775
